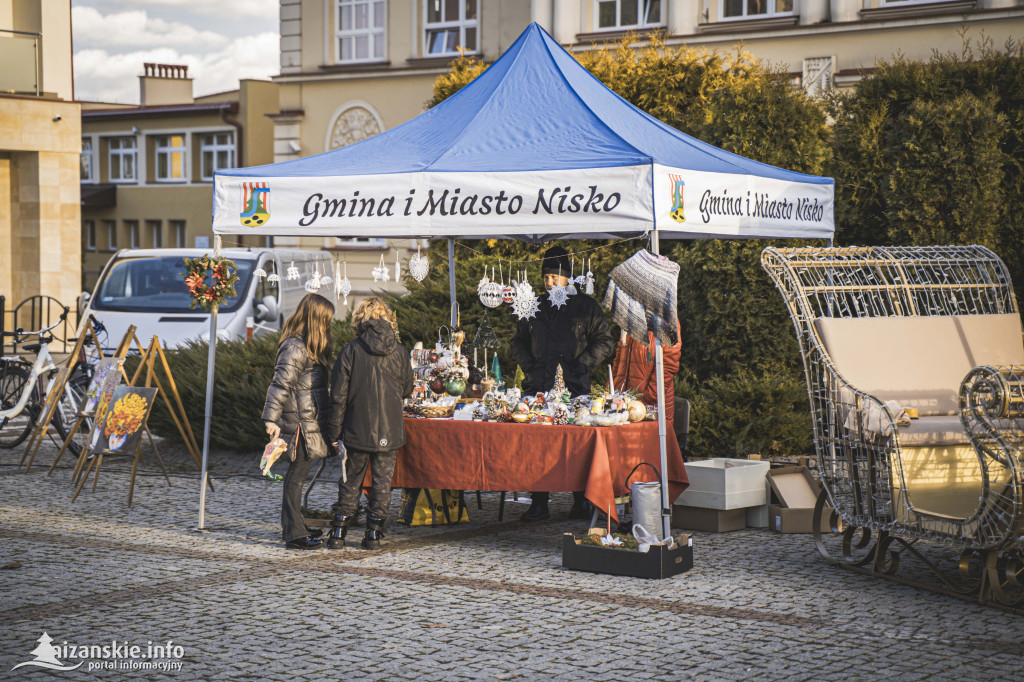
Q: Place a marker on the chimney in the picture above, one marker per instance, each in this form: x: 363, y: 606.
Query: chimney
x: 165, y: 84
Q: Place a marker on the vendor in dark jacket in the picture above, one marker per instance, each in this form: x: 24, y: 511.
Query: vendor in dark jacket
x: 575, y: 336
x: 371, y: 377
x: 296, y: 406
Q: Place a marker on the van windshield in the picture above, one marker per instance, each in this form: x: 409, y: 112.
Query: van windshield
x: 155, y: 284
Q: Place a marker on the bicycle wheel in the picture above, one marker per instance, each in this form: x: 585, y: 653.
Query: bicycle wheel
x: 15, y: 428
x: 67, y: 413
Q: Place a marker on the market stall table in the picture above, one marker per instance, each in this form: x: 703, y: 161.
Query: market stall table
x: 467, y: 455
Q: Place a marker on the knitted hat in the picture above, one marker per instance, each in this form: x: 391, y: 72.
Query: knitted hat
x: 556, y: 262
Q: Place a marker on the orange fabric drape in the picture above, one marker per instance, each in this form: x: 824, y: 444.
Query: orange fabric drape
x: 633, y: 367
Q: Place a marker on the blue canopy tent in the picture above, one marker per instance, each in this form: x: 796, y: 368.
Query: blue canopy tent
x: 535, y: 148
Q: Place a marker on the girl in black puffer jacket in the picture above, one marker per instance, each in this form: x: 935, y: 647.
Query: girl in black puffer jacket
x: 371, y: 377
x: 297, y: 406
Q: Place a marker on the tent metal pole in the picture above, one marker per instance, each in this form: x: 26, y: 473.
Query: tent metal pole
x: 451, y: 281
x: 204, y: 476
x: 659, y: 369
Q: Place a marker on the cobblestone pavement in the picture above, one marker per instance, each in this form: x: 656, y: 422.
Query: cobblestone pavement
x: 487, y: 599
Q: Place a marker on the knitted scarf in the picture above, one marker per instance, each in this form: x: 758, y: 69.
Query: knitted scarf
x: 642, y: 297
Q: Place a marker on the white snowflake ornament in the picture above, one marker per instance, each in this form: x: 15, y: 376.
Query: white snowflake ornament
x: 525, y: 306
x: 558, y: 296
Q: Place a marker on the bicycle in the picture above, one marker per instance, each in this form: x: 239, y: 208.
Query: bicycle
x: 24, y: 386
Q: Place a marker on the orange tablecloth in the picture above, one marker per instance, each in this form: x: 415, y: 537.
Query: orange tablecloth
x: 466, y: 455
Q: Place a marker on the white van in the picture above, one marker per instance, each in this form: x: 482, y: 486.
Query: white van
x: 144, y: 287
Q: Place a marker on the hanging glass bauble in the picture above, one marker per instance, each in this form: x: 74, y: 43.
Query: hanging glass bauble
x: 293, y: 272
x: 558, y: 296
x: 492, y: 295
x: 508, y: 294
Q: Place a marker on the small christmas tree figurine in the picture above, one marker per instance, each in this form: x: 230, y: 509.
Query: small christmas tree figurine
x: 486, y: 337
x: 45, y: 652
x: 559, y: 387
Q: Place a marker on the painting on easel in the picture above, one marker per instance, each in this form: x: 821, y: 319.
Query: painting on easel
x: 122, y: 424
x: 107, y: 376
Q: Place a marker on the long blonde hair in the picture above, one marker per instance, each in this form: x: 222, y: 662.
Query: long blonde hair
x: 311, y: 323
x: 372, y: 308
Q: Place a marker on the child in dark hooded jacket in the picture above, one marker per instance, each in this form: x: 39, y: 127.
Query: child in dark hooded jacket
x: 371, y: 377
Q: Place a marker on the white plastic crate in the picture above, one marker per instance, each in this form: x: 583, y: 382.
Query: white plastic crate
x: 723, y: 483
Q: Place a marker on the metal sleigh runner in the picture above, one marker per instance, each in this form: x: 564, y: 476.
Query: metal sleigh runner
x: 915, y: 370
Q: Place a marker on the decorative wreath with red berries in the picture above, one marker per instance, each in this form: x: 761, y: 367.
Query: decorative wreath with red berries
x: 222, y: 273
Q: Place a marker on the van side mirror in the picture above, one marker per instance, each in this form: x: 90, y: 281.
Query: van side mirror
x: 266, y: 310
x: 83, y: 300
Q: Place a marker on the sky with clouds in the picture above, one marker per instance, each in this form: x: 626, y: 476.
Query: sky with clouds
x: 221, y: 41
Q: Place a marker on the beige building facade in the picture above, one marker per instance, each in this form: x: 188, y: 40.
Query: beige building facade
x: 39, y: 147
x: 146, y: 171
x: 353, y: 68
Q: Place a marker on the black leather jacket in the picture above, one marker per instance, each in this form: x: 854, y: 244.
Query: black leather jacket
x: 371, y: 377
x: 576, y: 336
x: 297, y: 398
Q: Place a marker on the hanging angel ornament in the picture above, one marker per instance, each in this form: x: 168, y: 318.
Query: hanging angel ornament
x: 381, y: 273
x: 313, y: 283
x: 293, y: 272
x: 418, y: 266
x: 589, y: 280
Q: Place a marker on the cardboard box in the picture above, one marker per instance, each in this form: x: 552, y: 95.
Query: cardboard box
x: 723, y: 483
x: 656, y: 563
x: 709, y: 520
x: 794, y: 494
x: 757, y: 517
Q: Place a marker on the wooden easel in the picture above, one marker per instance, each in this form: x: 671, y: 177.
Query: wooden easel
x: 120, y: 352
x: 39, y: 432
x: 176, y: 409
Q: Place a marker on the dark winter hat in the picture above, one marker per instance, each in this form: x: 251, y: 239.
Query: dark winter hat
x: 556, y: 261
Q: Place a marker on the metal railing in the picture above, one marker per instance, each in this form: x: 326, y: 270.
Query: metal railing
x: 36, y: 312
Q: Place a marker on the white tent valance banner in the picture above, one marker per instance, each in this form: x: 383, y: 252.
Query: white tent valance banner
x: 593, y: 202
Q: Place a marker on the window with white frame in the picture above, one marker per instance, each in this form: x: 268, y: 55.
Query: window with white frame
x: 178, y: 230
x: 156, y: 236
x: 748, y: 9
x: 449, y: 25
x: 90, y: 235
x: 217, y: 152
x: 111, y: 226
x: 623, y: 14
x: 85, y: 160
x: 132, y: 228
x: 360, y: 34
x: 122, y: 152
x: 170, y: 158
